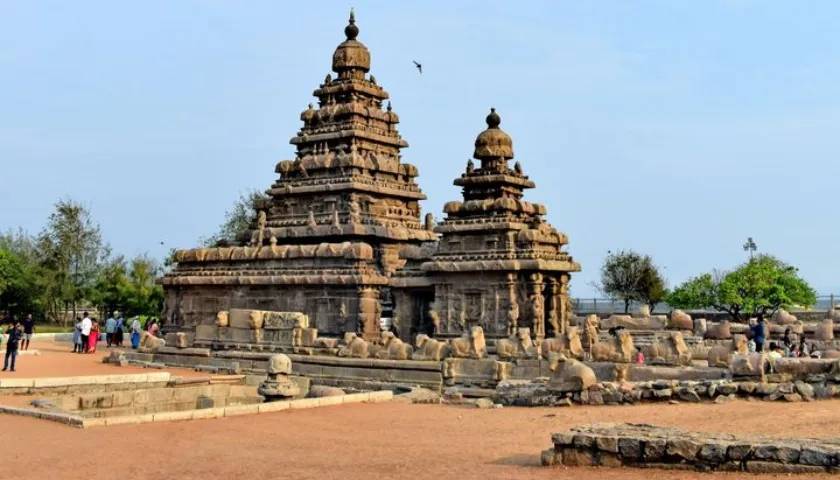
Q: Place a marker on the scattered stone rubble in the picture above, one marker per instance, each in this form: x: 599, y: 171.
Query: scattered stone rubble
x: 574, y: 382
x: 616, y: 445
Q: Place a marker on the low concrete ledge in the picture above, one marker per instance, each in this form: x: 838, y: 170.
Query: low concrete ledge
x: 32, y: 385
x: 235, y: 410
x: 634, y: 445
x: 65, y: 418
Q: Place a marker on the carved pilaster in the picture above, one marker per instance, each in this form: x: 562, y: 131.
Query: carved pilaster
x: 369, y: 313
x: 537, y: 303
x: 513, y: 305
x: 555, y: 308
x: 565, y: 303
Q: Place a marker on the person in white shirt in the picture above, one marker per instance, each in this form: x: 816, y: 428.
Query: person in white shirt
x: 86, y: 326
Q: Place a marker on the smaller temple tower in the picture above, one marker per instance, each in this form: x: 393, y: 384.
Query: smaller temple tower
x: 499, y: 265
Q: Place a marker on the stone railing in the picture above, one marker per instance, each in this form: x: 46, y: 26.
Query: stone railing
x: 617, y: 445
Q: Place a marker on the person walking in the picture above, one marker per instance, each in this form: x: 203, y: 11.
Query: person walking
x: 86, y: 326
x: 14, y: 333
x: 136, y: 328
x: 93, y: 338
x: 119, y: 329
x: 28, y: 331
x: 77, y: 336
x: 110, y: 327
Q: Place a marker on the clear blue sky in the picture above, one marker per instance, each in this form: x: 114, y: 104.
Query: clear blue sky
x: 674, y: 128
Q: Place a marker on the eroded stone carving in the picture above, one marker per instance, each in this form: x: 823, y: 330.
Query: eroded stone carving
x: 427, y: 348
x: 519, y: 345
x: 469, y: 345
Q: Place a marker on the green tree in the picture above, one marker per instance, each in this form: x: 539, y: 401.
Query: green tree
x: 651, y: 287
x: 71, y: 251
x: 239, y: 218
x: 756, y: 289
x: 145, y: 296
x: 629, y: 276
x: 129, y: 286
x: 20, y: 275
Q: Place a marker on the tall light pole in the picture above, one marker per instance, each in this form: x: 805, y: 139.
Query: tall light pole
x: 750, y: 246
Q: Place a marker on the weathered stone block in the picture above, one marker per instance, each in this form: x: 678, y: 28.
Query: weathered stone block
x: 683, y: 448
x: 629, y: 448
x: 285, y: 320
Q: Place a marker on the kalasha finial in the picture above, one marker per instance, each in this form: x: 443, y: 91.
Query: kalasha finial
x: 493, y: 119
x: 351, y: 30
x: 389, y: 105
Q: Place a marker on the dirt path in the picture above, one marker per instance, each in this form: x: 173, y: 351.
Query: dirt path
x: 57, y: 360
x: 377, y: 441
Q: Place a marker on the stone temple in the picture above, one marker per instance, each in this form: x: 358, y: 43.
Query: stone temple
x: 343, y: 241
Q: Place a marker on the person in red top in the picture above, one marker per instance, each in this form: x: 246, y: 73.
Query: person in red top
x: 640, y: 357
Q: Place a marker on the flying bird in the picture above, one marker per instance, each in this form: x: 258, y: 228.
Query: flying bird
x: 419, y: 66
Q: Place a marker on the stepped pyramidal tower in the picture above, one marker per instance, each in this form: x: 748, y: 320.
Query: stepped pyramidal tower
x: 499, y: 265
x: 340, y: 239
x: 342, y: 218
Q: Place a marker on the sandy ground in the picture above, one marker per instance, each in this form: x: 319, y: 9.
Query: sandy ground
x: 391, y: 440
x: 57, y: 360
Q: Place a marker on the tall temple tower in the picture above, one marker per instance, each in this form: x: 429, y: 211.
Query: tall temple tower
x: 499, y: 265
x: 342, y: 218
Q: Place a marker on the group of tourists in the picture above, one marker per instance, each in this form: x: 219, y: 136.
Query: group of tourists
x: 87, y: 332
x: 789, y: 346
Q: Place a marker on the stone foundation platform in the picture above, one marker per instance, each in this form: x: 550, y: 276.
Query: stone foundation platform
x: 618, y: 445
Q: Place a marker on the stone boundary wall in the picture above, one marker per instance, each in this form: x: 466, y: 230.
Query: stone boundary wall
x: 80, y: 422
x: 540, y: 394
x: 618, y: 445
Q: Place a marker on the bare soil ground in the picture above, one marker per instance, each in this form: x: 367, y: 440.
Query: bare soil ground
x: 57, y: 360
x: 361, y: 441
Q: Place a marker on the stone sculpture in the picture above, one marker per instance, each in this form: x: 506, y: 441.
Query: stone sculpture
x: 427, y: 348
x: 680, y: 321
x: 354, y: 346
x: 825, y: 330
x: 469, y: 345
x: 569, y: 375
x: 567, y: 343
x: 278, y: 385
x: 671, y: 351
x: 721, y: 355
x: 518, y: 345
x: 151, y: 343
x: 618, y: 348
x: 392, y: 348
x: 719, y: 331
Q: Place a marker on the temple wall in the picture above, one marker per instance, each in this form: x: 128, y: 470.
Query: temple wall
x: 499, y: 301
x: 332, y: 309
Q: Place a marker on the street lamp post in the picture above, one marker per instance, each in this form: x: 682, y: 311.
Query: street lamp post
x: 750, y: 246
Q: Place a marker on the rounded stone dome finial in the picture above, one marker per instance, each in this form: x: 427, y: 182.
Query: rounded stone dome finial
x: 351, y: 30
x: 493, y: 119
x: 493, y: 143
x: 351, y: 58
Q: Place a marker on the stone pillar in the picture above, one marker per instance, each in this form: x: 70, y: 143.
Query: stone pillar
x: 565, y: 303
x: 369, y: 313
x: 535, y: 297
